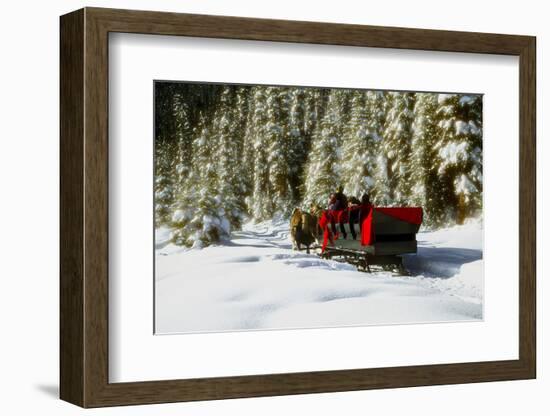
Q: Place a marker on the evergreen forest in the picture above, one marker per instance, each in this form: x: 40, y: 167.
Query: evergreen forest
x: 226, y: 154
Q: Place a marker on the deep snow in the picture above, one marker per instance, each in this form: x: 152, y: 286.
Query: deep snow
x: 255, y: 281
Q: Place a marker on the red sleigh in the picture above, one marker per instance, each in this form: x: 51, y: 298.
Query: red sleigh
x: 374, y: 236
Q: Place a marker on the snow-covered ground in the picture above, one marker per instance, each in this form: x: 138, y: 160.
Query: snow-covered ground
x: 255, y: 281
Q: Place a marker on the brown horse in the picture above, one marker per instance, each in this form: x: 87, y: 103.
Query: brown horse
x: 317, y: 211
x: 303, y: 229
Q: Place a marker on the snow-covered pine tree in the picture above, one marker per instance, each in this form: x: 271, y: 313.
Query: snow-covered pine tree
x: 322, y: 171
x: 245, y: 155
x: 375, y: 130
x: 299, y: 140
x: 459, y: 153
x: 426, y: 189
x: 184, y: 141
x: 185, y: 202
x: 358, y: 149
x: 209, y: 223
x: 278, y: 149
x: 165, y: 150
x: 226, y: 156
x: 165, y: 172
x: 242, y: 110
x: 397, y: 147
x: 382, y: 188
x: 248, y: 153
x: 314, y: 103
x: 260, y: 201
x: 361, y: 136
x: 345, y: 96
x: 198, y: 218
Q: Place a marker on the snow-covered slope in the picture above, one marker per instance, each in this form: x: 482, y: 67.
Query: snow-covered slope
x: 256, y: 281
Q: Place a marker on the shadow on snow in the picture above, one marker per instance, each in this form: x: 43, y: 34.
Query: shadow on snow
x: 440, y: 261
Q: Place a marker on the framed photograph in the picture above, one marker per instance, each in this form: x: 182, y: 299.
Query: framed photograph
x: 255, y: 207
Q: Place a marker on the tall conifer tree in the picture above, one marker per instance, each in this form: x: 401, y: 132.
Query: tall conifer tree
x: 459, y: 153
x: 426, y: 190
x: 278, y: 147
x: 397, y: 147
x: 322, y: 173
x: 260, y: 201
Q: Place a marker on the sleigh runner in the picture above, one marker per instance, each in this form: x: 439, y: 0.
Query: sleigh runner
x: 367, y: 235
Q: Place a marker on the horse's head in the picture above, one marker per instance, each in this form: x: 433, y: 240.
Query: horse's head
x: 296, y: 219
x: 316, y: 210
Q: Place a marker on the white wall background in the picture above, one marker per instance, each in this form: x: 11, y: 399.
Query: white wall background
x: 29, y: 210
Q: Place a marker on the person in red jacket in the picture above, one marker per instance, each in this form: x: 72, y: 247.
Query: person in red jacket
x: 365, y: 211
x: 366, y: 206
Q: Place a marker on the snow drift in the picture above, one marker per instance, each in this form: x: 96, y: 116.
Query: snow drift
x: 255, y: 281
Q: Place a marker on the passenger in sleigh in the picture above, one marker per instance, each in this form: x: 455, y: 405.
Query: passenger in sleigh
x: 365, y: 208
x: 341, y: 199
x: 354, y: 211
x: 333, y: 208
x: 332, y: 203
x: 338, y: 209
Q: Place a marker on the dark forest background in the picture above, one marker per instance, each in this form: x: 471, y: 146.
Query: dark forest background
x: 225, y: 154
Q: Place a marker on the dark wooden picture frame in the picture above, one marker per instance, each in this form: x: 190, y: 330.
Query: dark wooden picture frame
x: 84, y: 207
